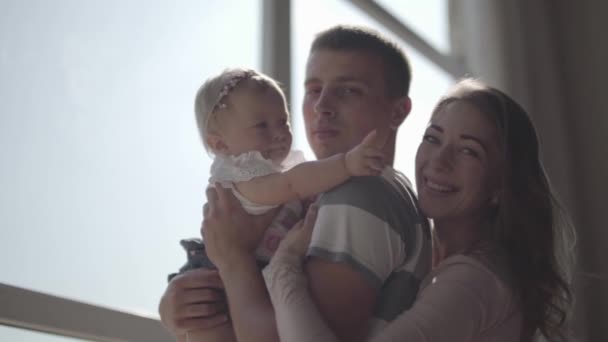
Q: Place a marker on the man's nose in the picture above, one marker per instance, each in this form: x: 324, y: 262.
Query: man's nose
x: 325, y: 105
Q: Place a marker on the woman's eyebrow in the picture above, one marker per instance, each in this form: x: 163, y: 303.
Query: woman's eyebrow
x: 477, y: 140
x: 436, y: 127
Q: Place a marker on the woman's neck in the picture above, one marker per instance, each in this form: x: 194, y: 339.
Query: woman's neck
x: 454, y: 236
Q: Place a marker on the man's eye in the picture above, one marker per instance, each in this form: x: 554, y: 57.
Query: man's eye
x: 261, y: 125
x: 345, y: 91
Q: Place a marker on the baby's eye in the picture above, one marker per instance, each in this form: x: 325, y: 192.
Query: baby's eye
x: 313, y: 90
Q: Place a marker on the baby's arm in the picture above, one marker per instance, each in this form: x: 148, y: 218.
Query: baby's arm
x: 310, y: 178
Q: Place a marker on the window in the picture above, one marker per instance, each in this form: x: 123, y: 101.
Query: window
x: 429, y: 82
x: 102, y: 168
x: 13, y: 334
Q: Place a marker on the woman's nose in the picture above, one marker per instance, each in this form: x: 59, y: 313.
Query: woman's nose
x: 441, y: 159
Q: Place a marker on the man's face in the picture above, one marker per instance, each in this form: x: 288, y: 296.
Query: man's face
x: 345, y: 99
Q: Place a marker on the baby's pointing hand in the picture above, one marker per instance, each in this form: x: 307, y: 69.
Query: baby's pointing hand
x: 365, y: 159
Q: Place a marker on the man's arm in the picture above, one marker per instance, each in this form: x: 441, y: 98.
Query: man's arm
x: 344, y: 298
x: 354, y: 249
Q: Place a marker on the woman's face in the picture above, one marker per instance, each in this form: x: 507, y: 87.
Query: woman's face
x: 457, y: 163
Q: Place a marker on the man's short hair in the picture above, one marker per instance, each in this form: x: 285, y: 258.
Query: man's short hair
x: 397, y: 71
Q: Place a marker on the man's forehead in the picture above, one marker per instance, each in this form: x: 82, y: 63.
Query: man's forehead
x: 342, y: 66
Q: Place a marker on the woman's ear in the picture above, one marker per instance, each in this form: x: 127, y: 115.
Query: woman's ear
x: 216, y: 143
x: 402, y: 109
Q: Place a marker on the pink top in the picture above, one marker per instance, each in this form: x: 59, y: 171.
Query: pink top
x: 460, y: 300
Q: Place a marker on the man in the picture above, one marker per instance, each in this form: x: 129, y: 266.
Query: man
x: 370, y: 248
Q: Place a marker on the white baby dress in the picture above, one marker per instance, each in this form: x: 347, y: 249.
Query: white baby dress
x: 227, y: 170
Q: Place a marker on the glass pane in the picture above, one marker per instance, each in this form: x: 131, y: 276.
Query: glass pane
x: 102, y: 168
x: 428, y: 81
x: 21, y: 335
x: 429, y: 19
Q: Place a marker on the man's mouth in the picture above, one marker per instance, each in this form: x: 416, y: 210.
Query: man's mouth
x: 325, y: 133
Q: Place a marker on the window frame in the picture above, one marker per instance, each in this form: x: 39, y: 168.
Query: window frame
x: 37, y: 311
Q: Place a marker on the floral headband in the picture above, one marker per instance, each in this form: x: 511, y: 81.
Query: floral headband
x: 229, y: 86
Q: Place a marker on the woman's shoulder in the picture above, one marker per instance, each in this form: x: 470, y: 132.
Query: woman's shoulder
x: 483, y: 273
x: 486, y: 259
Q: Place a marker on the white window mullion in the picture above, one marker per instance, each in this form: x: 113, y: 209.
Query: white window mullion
x: 32, y: 310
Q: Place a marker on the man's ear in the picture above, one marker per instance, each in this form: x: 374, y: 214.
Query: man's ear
x: 216, y: 143
x: 402, y: 109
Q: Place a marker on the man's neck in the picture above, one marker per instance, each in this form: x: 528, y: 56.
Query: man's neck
x: 389, y: 150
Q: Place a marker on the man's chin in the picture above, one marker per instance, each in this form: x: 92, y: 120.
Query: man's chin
x: 324, y: 151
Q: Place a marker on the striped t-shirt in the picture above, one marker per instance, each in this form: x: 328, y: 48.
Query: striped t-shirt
x: 373, y: 224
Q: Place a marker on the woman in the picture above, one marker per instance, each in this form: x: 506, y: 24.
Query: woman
x: 500, y: 241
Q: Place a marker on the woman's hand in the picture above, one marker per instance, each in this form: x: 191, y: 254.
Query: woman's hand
x: 297, y: 240
x: 229, y: 232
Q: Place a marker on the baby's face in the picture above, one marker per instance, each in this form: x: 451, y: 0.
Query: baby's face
x: 256, y: 121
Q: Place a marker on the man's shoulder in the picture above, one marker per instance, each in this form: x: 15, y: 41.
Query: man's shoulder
x: 370, y: 186
x: 370, y: 193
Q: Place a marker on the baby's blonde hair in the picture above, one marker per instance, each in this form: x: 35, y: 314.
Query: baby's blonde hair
x: 212, y: 96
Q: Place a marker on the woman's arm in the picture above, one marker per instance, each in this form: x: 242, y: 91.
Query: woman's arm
x: 231, y: 236
x: 310, y: 178
x: 463, y: 300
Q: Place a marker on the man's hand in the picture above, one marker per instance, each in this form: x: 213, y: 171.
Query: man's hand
x: 228, y: 231
x: 365, y: 159
x: 193, y: 301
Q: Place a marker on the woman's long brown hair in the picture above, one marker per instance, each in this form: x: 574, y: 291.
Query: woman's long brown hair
x: 529, y: 223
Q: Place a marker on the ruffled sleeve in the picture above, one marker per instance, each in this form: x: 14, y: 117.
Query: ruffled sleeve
x: 241, y: 168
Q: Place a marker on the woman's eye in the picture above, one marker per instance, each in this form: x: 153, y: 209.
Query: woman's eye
x: 430, y: 139
x: 470, y: 152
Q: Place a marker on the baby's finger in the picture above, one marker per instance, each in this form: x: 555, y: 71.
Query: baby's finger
x: 376, y: 164
x: 371, y: 151
x: 211, y: 201
x: 311, y: 217
x: 370, y: 139
x: 222, y: 195
x: 206, y: 210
